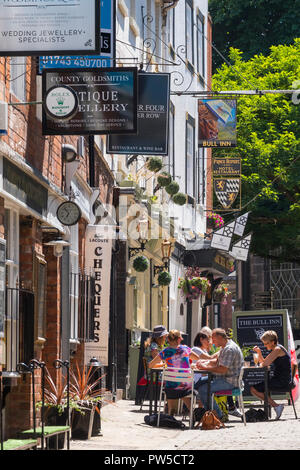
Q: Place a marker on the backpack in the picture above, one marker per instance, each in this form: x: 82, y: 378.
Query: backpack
x: 165, y: 421
x: 210, y: 421
x: 254, y: 416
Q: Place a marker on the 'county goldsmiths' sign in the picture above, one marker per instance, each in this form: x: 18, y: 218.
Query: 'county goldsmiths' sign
x: 107, y: 101
x: 36, y: 27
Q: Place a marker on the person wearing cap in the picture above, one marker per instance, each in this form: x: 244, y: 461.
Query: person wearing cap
x: 156, y: 342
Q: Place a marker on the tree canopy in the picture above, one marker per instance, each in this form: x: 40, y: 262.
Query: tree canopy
x: 253, y: 26
x: 268, y: 142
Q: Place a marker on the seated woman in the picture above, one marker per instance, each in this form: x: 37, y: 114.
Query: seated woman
x: 282, y: 378
x: 176, y: 355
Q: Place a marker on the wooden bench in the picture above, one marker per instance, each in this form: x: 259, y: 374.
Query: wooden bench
x: 20, y: 444
x: 46, y: 432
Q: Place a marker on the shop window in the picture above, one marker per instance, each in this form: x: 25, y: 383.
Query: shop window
x: 190, y: 156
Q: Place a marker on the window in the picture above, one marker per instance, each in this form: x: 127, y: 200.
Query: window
x: 190, y: 156
x: 171, y: 27
x: 200, y: 45
x: 74, y: 281
x: 171, y: 150
x: 11, y: 328
x: 18, y: 77
x: 189, y: 31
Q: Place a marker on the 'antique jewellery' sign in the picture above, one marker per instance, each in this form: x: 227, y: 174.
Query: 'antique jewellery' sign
x: 153, y: 119
x: 107, y: 101
x: 35, y: 27
x: 98, y: 263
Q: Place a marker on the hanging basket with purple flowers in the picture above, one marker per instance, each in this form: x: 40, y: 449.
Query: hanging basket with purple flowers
x: 214, y: 221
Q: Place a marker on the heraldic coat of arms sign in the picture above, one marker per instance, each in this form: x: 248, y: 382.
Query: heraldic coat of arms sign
x: 226, y: 190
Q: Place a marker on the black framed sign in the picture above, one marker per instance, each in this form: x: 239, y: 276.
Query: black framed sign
x: 107, y: 101
x: 38, y: 27
x: 153, y: 119
x: 248, y: 327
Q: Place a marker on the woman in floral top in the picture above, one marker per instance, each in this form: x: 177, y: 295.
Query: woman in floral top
x: 176, y: 355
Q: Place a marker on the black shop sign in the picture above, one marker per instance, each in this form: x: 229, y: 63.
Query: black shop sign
x: 248, y: 327
x: 107, y: 101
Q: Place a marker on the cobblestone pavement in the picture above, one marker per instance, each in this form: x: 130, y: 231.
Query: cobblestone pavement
x: 123, y: 428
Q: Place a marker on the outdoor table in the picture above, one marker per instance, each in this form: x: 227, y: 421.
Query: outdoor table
x: 266, y: 381
x: 154, y: 387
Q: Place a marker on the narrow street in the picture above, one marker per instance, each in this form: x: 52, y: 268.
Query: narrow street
x: 124, y: 429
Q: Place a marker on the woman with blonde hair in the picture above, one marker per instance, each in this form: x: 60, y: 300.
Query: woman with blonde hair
x: 282, y: 377
x: 178, y: 356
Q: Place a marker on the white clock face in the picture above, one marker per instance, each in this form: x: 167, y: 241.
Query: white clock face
x: 68, y: 213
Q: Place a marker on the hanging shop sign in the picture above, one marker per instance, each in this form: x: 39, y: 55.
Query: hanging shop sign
x: 226, y: 191
x: 221, y: 238
x: 227, y: 167
x: 98, y: 252
x: 107, y: 101
x: 2, y: 294
x: 24, y: 188
x: 36, y: 27
x: 107, y: 45
x: 153, y: 119
x: 240, y: 249
x: 217, y: 123
x: 240, y: 224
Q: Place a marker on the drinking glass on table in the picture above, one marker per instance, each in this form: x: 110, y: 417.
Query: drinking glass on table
x: 255, y: 358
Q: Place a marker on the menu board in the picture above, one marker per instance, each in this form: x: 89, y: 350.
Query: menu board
x: 248, y: 327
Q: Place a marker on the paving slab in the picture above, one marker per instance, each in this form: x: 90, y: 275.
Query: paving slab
x: 124, y: 429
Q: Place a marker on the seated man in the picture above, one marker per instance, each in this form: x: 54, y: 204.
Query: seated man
x: 226, y: 368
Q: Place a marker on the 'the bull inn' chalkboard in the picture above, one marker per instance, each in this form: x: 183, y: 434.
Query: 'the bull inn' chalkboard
x: 248, y: 327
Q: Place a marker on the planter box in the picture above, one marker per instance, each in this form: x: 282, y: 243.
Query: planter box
x: 53, y: 418
x: 82, y: 424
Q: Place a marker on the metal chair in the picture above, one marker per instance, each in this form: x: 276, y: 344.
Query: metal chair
x: 235, y: 392
x: 177, y: 375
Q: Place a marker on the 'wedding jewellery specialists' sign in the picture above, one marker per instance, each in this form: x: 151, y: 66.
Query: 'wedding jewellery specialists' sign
x: 35, y: 27
x: 107, y: 101
x: 153, y: 119
x: 107, y: 45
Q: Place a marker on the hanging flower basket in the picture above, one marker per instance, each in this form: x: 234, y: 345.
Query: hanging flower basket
x: 214, y: 221
x: 164, y: 179
x: 154, y: 164
x: 221, y: 293
x: 172, y: 188
x: 140, y: 264
x: 193, y: 288
x: 164, y: 278
x: 179, y: 198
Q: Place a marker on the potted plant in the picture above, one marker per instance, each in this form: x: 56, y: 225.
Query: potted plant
x: 164, y: 278
x: 179, y: 198
x: 154, y: 164
x: 140, y: 264
x: 221, y: 293
x: 163, y: 179
x: 84, y: 389
x: 55, y: 407
x: 214, y: 221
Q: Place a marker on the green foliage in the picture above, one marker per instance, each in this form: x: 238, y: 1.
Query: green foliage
x: 164, y: 179
x: 140, y: 263
x: 252, y: 26
x: 172, y: 188
x: 268, y: 131
x: 164, y: 278
x: 179, y: 198
x: 154, y: 164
